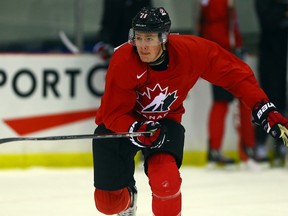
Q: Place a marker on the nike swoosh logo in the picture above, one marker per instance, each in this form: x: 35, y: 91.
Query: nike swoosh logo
x: 32, y: 124
x: 139, y: 76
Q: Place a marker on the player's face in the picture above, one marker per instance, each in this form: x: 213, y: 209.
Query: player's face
x: 148, y: 46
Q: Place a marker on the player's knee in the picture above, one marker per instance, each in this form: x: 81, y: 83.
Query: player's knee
x: 112, y: 202
x: 164, y: 176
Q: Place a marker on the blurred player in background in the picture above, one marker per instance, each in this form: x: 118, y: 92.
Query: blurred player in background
x: 115, y: 24
x: 272, y: 66
x: 147, y: 81
x: 218, y: 22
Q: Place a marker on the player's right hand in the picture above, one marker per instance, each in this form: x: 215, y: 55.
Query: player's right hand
x: 155, y: 140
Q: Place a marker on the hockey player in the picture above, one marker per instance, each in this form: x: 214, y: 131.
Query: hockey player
x: 218, y: 22
x: 115, y: 24
x: 155, y: 63
x: 272, y: 16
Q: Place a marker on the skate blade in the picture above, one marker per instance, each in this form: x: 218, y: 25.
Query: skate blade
x: 218, y: 166
x: 251, y: 165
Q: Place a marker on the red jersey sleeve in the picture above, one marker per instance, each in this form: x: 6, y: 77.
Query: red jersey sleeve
x: 228, y: 71
x: 219, y: 23
x: 218, y: 66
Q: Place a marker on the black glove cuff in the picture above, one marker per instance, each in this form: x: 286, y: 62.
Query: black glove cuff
x: 261, y: 110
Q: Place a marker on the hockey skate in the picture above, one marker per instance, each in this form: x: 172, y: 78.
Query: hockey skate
x: 216, y: 159
x: 279, y: 156
x: 254, y: 161
x: 131, y: 211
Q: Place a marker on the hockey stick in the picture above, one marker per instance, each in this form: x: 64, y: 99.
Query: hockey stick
x: 68, y: 43
x: 72, y: 137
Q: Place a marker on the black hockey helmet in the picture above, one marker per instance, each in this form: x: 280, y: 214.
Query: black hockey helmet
x: 150, y: 19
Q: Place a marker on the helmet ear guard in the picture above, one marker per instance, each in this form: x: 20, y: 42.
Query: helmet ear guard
x: 131, y: 37
x: 163, y: 37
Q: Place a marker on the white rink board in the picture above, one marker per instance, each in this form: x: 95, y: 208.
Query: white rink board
x: 39, y: 85
x: 35, y: 85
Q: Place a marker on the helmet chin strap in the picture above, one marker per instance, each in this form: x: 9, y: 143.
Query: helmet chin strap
x: 161, y: 63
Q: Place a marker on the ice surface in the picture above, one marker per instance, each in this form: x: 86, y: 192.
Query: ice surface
x: 58, y: 192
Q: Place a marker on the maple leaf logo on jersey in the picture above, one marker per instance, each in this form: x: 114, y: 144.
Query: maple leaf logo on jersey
x: 156, y: 100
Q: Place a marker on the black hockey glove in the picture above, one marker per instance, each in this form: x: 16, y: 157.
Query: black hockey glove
x: 266, y: 115
x: 104, y: 50
x: 148, y: 141
x: 240, y: 53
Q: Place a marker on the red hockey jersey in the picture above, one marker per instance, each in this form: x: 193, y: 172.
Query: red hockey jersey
x: 219, y: 23
x: 134, y: 91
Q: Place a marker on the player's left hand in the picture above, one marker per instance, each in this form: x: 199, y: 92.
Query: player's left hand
x: 266, y: 115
